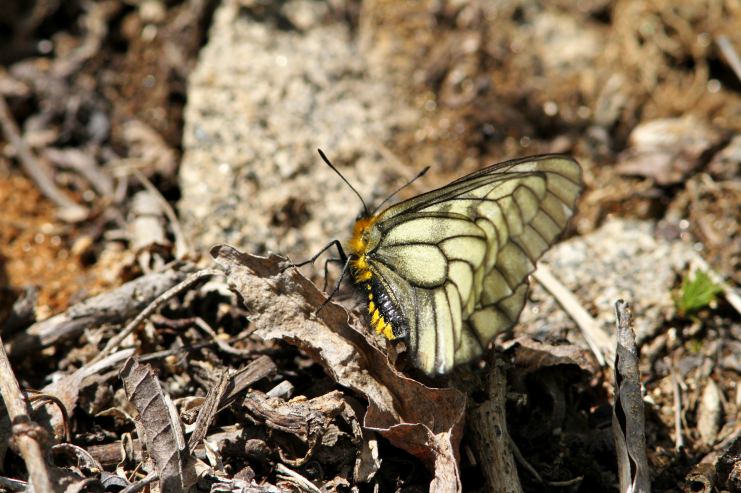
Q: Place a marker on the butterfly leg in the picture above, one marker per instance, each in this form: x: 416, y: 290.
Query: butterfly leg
x: 333, y: 243
x: 336, y: 288
x: 326, y: 270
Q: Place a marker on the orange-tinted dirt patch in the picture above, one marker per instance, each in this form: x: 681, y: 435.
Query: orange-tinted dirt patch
x: 34, y: 247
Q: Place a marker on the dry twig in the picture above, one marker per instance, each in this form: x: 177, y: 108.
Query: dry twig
x: 597, y: 339
x: 295, y: 478
x: 182, y: 247
x: 678, y: 435
x: 152, y: 307
x: 730, y: 54
x: 29, y: 436
x: 488, y: 422
x: 109, y: 308
x: 68, y: 210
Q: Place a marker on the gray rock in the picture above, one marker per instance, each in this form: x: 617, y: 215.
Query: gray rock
x: 274, y: 84
x: 622, y: 259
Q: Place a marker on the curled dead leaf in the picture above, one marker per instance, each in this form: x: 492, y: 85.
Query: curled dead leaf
x: 424, y: 421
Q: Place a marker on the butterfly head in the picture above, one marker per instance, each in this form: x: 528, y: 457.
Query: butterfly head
x: 365, y: 237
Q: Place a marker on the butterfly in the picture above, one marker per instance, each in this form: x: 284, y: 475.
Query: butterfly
x: 447, y: 270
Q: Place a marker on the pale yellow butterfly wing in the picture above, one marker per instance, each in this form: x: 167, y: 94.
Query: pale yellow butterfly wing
x: 456, y: 260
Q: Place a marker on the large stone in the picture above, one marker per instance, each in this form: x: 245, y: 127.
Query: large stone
x: 621, y: 260
x: 273, y: 84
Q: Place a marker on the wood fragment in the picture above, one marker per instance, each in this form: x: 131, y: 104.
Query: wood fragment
x: 283, y: 390
x: 677, y: 391
x: 488, y: 422
x: 146, y: 226
x: 110, y: 308
x: 628, y: 418
x: 700, y: 480
x: 296, y: 479
x: 241, y: 380
x: 306, y: 419
x: 209, y: 408
x: 29, y: 437
x: 709, y: 412
x: 182, y: 246
x: 237, y: 384
x: 728, y: 467
x: 13, y: 484
x: 110, y: 454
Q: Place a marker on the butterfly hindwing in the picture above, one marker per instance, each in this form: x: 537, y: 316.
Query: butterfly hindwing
x: 456, y: 260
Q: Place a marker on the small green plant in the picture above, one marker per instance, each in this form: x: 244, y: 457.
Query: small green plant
x: 696, y: 293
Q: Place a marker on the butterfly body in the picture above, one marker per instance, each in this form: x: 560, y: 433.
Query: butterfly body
x: 446, y: 270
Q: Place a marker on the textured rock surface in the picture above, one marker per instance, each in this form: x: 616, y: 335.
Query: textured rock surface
x: 622, y: 259
x: 270, y: 88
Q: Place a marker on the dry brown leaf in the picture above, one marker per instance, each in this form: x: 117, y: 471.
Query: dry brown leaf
x: 531, y: 355
x: 164, y: 435
x: 425, y: 422
x: 668, y: 150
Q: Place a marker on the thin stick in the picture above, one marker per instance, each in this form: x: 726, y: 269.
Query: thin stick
x: 152, y: 307
x: 597, y: 339
x: 493, y: 447
x: 730, y: 54
x: 142, y: 483
x: 13, y: 484
x: 182, y: 247
x: 68, y: 210
x: 524, y: 463
x: 292, y: 476
x: 678, y: 439
x: 27, y: 434
x: 192, y: 347
x: 42, y: 398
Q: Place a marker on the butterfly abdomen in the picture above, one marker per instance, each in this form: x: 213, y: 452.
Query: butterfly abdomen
x: 385, y: 315
x: 386, y: 318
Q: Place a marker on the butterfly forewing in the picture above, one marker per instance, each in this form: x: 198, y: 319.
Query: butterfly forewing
x: 456, y: 260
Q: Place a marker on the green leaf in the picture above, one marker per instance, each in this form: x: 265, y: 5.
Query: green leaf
x: 696, y: 293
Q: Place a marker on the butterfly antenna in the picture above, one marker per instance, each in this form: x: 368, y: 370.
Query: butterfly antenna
x: 324, y: 158
x: 419, y: 175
